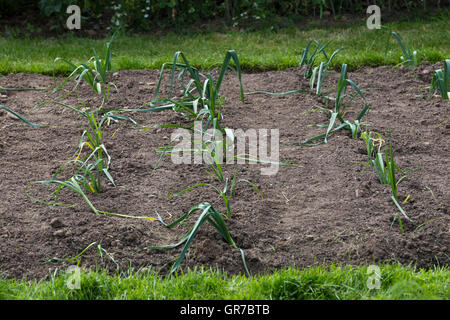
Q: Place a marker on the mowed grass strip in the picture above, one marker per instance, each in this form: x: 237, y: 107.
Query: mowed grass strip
x: 261, y: 50
x: 315, y: 283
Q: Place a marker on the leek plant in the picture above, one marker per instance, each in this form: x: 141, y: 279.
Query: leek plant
x: 339, y: 112
x: 90, y: 167
x: 201, y: 100
x: 385, y: 167
x: 97, y: 162
x: 23, y: 119
x: 309, y: 56
x: 22, y: 89
x: 208, y: 214
x: 441, y: 81
x: 228, y: 186
x: 311, y: 71
x: 72, y: 184
x: 200, y: 95
x: 226, y: 190
x: 96, y: 72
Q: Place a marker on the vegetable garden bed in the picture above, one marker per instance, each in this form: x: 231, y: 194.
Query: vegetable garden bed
x: 330, y: 207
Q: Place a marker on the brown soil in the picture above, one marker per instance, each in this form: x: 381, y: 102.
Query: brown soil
x: 325, y: 210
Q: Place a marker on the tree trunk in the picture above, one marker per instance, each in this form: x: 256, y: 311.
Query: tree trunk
x: 228, y: 10
x: 332, y: 9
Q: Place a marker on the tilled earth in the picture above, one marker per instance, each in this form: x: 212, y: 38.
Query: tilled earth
x: 326, y: 209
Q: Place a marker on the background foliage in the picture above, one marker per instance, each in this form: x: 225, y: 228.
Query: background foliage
x: 143, y: 15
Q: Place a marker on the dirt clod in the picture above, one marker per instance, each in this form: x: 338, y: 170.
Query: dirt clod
x: 56, y: 223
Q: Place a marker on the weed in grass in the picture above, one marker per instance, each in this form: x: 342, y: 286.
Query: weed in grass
x: 409, y: 55
x: 100, y: 251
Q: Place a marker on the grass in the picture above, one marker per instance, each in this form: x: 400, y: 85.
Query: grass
x: 260, y: 50
x: 318, y: 283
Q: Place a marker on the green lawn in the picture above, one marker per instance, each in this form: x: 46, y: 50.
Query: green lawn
x: 259, y: 50
x: 331, y: 283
